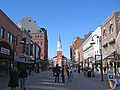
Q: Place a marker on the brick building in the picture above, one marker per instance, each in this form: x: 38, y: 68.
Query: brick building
x: 39, y: 36
x: 110, y: 29
x: 75, y: 53
x: 10, y: 35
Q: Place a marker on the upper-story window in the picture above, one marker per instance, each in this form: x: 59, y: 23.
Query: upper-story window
x: 41, y: 43
x: 104, y: 33
x: 10, y: 38
x: 35, y: 36
x: 2, y: 32
x: 111, y: 29
x: 30, y: 20
x: 38, y: 42
x: 40, y: 36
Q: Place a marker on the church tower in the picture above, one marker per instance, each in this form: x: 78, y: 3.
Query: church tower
x: 59, y: 51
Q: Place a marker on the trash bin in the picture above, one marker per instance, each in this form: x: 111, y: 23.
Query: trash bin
x: 89, y: 73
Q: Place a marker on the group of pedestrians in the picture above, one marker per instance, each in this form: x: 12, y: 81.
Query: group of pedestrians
x: 15, y: 75
x: 63, y: 71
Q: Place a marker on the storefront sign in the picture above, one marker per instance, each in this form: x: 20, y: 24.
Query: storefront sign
x: 5, y: 51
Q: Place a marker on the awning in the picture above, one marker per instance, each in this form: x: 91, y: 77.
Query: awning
x: 23, y: 59
x: 105, y: 55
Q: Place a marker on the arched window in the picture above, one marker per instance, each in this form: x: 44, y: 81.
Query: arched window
x: 104, y: 33
x: 35, y: 36
x: 111, y: 29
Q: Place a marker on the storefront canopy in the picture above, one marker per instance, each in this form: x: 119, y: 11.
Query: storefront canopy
x: 23, y: 59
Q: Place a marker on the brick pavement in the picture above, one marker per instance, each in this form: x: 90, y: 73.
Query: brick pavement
x: 45, y: 81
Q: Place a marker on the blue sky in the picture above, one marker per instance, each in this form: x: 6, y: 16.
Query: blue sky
x: 69, y: 18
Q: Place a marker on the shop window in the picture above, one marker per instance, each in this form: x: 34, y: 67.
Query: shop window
x: 31, y: 49
x: 2, y: 32
x: 111, y: 29
x: 118, y: 64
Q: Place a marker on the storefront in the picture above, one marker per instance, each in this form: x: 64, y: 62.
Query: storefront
x: 6, y: 57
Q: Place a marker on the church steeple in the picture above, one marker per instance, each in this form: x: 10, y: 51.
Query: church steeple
x: 59, y: 45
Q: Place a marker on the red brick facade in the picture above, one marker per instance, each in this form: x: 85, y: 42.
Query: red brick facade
x: 40, y: 39
x: 10, y: 27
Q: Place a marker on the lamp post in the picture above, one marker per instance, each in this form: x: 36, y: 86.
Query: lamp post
x: 101, y: 62
x: 22, y: 41
x: 16, y: 41
x: 14, y: 45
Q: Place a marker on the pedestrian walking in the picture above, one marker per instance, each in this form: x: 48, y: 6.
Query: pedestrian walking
x: 63, y: 74
x: 73, y: 70
x: 78, y: 68
x: 57, y: 73
x: 111, y: 77
x: 68, y: 74
x: 13, y: 82
x: 53, y: 70
x: 23, y: 75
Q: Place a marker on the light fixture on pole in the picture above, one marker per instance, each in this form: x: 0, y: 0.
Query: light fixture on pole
x: 101, y: 63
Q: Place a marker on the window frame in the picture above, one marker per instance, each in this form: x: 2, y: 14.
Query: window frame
x: 3, y: 31
x: 111, y: 29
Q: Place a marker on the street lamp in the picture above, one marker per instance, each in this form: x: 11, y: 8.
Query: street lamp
x: 22, y: 41
x: 15, y: 43
x: 101, y: 63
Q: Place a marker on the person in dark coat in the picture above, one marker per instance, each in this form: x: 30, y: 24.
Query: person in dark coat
x: 13, y: 82
x: 78, y: 68
x: 23, y: 75
x: 63, y: 74
x: 57, y: 73
x: 68, y: 73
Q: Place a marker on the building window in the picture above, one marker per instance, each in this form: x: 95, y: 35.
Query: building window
x: 40, y: 36
x: 35, y: 36
x: 38, y: 43
x: 31, y: 49
x: 111, y: 29
x: 41, y: 43
x: 11, y: 38
x: 105, y: 49
x: 112, y: 46
x: 97, y: 51
x: 30, y: 20
x: 2, y: 32
x: 104, y: 33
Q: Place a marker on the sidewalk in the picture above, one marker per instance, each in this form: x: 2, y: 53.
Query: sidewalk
x: 97, y: 79
x: 5, y: 86
x: 45, y: 81
x: 82, y: 82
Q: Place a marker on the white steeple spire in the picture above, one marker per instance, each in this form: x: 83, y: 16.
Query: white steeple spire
x: 59, y: 45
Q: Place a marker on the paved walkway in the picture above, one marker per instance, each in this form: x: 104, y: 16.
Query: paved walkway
x: 45, y: 81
